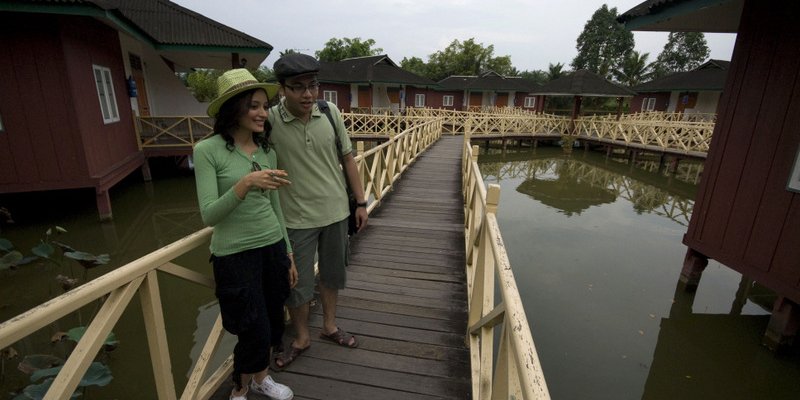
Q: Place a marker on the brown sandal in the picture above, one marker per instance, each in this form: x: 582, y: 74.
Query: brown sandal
x: 287, y: 356
x: 341, y: 338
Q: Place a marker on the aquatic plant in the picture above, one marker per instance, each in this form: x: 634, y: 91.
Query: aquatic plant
x: 43, y: 368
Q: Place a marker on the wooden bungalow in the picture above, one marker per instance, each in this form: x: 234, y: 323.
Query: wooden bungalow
x: 488, y: 89
x: 75, y: 73
x: 372, y: 84
x: 691, y: 92
x: 747, y: 209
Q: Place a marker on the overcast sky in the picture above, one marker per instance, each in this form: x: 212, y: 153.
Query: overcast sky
x: 534, y: 32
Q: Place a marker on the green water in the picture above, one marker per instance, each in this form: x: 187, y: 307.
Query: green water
x: 595, y: 244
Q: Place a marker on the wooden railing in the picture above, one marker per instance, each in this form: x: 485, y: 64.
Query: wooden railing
x: 379, y: 169
x: 675, y: 132
x: 685, y: 136
x: 487, y: 123
x: 516, y: 373
x: 169, y: 131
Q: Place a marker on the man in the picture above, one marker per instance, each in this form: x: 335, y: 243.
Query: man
x: 315, y: 205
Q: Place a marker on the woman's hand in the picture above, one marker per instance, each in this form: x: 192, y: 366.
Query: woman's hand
x: 268, y: 179
x: 292, y: 272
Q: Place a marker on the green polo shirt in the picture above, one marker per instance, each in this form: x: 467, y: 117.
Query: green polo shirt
x: 239, y: 224
x: 308, y: 153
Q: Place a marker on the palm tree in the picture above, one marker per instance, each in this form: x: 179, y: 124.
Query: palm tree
x: 555, y: 71
x: 634, y: 69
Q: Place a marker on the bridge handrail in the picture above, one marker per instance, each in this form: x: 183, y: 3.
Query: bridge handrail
x: 517, y: 372
x: 378, y: 168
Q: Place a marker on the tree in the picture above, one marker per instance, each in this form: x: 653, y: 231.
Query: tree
x: 603, y: 43
x: 467, y: 58
x: 339, y: 49
x: 538, y: 76
x: 684, y: 51
x: 203, y: 83
x: 415, y: 65
x: 555, y: 71
x: 634, y: 69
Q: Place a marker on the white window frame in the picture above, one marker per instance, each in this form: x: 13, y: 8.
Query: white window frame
x: 648, y: 104
x: 447, y: 100
x: 331, y: 96
x: 106, y: 94
x: 419, y: 100
x: 530, y: 102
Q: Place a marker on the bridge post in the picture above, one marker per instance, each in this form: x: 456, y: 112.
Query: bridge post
x: 492, y: 198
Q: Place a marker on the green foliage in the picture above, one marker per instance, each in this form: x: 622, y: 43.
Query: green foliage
x: 467, y: 58
x: 203, y: 84
x: 539, y: 77
x: 415, y: 65
x: 263, y: 74
x: 287, y: 52
x: 634, y: 69
x: 75, y: 335
x: 96, y: 375
x: 603, y: 44
x: 339, y: 49
x: 684, y: 51
x: 555, y: 71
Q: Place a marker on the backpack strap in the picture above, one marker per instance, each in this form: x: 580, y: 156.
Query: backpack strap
x: 323, y: 106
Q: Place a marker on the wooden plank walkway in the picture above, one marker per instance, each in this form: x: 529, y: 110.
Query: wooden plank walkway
x: 405, y: 300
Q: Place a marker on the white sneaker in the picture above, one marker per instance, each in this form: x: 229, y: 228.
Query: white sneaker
x: 272, y: 389
x: 242, y: 397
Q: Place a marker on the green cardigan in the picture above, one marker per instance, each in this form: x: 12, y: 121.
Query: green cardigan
x: 239, y: 224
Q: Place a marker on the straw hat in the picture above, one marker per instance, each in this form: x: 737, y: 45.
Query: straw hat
x: 234, y: 82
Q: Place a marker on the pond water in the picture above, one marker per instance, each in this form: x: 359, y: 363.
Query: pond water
x: 595, y: 244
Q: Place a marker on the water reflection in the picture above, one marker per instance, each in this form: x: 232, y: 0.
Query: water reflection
x: 574, y: 183
x: 595, y: 243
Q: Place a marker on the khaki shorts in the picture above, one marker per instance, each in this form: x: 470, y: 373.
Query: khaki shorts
x: 329, y: 243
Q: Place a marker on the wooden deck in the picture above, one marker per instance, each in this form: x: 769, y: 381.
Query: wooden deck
x: 405, y: 299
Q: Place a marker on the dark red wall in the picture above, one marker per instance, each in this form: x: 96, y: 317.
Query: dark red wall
x: 55, y: 136
x: 342, y: 94
x: 743, y: 216
x: 662, y: 101
x: 435, y: 99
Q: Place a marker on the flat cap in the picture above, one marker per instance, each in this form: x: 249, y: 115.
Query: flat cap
x: 295, y: 64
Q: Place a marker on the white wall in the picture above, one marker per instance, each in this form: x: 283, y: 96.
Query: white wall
x: 166, y: 94
x: 706, y: 102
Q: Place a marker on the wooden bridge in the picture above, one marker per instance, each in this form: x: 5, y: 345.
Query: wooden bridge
x: 421, y: 294
x: 655, y: 132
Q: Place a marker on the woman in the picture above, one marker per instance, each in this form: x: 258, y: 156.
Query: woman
x: 252, y: 258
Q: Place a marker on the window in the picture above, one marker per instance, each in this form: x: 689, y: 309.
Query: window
x: 419, y: 100
x: 530, y: 102
x: 330, y: 95
x: 648, y: 104
x: 447, y: 101
x: 105, y: 92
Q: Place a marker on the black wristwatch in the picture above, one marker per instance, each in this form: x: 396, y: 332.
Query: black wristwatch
x: 364, y: 204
